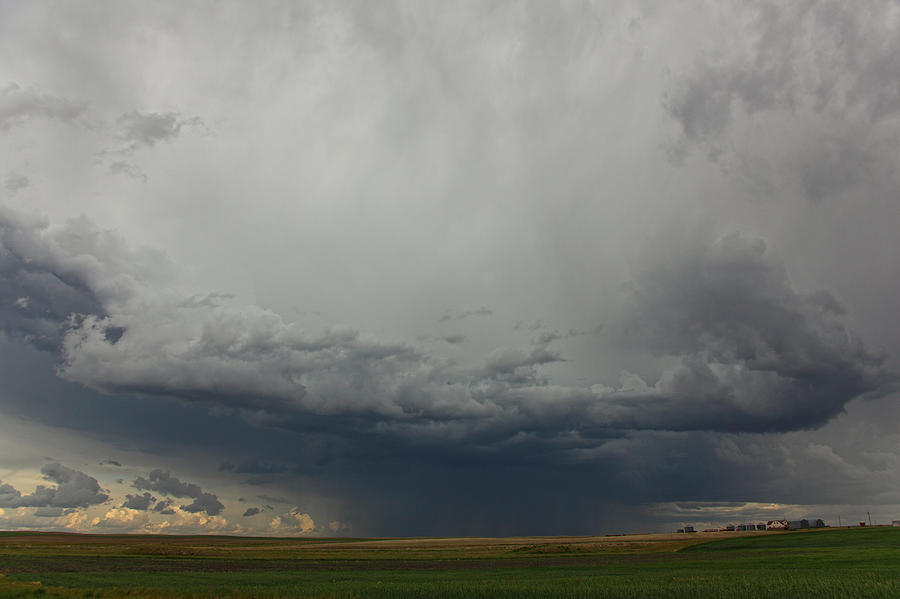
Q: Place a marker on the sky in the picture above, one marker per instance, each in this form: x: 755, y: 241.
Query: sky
x: 484, y: 268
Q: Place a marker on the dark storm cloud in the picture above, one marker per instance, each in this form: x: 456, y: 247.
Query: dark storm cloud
x: 163, y: 482
x: 73, y: 489
x: 251, y: 511
x: 53, y: 277
x: 206, y: 502
x: 824, y: 73
x: 18, y: 106
x: 528, y: 146
x: 39, y: 294
x: 743, y: 350
x: 255, y: 467
x: 755, y: 354
x: 139, y: 502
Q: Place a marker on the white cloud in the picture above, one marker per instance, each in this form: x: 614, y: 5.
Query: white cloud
x: 123, y: 518
x: 187, y: 522
x: 293, y: 522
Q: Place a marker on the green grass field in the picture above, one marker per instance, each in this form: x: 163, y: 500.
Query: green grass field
x: 862, y: 562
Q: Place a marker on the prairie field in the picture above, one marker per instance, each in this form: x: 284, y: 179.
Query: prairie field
x: 853, y: 563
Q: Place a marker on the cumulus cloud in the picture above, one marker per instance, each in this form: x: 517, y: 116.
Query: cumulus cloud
x: 293, y: 522
x: 122, y: 518
x: 19, y: 105
x: 74, y: 520
x: 163, y: 482
x: 73, y: 489
x: 338, y: 527
x: 185, y: 522
x: 139, y: 502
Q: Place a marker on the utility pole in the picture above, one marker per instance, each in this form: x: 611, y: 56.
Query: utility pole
x: 839, y: 521
x: 870, y: 518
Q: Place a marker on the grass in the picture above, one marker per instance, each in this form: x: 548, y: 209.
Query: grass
x: 851, y: 563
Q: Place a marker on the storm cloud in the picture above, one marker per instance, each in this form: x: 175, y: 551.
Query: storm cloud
x: 376, y: 240
x: 73, y: 489
x: 822, y: 71
x: 163, y: 482
x: 754, y: 354
x: 746, y: 352
x: 139, y: 502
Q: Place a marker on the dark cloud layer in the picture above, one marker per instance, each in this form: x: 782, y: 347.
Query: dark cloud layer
x: 54, y: 277
x: 745, y: 351
x: 139, y: 502
x: 254, y: 467
x: 755, y: 354
x: 164, y: 506
x: 163, y: 482
x: 38, y: 298
x: 73, y: 489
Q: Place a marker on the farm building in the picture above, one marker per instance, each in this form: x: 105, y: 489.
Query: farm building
x: 806, y: 523
x: 777, y: 525
x: 895, y: 522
